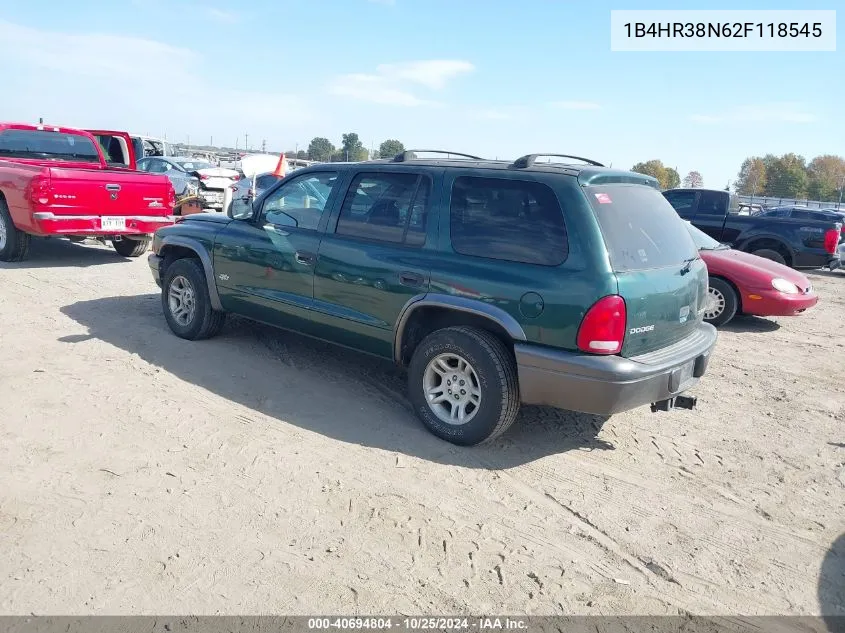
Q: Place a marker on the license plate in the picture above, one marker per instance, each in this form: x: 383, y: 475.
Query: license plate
x: 686, y: 374
x: 113, y: 224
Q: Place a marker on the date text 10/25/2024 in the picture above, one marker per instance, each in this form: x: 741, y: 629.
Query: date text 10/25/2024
x: 418, y: 624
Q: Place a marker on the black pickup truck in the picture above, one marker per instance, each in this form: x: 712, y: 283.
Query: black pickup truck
x: 799, y: 243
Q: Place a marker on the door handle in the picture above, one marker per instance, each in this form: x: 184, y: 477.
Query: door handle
x: 411, y: 279
x: 305, y: 258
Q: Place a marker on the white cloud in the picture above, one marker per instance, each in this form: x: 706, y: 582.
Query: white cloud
x: 105, y: 56
x: 389, y: 85
x: 95, y: 80
x: 432, y: 73
x: 491, y: 114
x: 372, y: 88
x: 576, y: 105
x: 767, y: 113
x: 224, y: 17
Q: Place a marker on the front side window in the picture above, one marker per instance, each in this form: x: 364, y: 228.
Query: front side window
x: 511, y: 220
x: 386, y: 207
x: 300, y: 202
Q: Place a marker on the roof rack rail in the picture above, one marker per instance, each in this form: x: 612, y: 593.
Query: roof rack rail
x: 530, y: 159
x: 411, y: 154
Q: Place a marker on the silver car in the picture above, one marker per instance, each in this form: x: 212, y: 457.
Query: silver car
x: 178, y: 170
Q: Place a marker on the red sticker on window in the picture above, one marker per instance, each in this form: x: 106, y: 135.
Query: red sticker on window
x: 603, y: 198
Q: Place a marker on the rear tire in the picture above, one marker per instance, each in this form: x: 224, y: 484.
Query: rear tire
x: 768, y: 253
x: 722, y: 302
x: 186, y: 303
x: 14, y: 243
x: 482, y: 382
x: 131, y: 248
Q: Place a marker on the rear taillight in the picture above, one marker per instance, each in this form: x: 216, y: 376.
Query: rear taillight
x: 236, y: 177
x: 40, y: 191
x: 602, y: 330
x: 204, y: 177
x: 831, y: 240
x: 171, y: 196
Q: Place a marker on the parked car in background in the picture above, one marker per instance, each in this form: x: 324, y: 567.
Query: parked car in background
x: 151, y: 146
x: 245, y: 190
x: 189, y: 175
x: 741, y: 283
x: 568, y: 285
x: 798, y: 243
x: 804, y: 213
x: 54, y: 181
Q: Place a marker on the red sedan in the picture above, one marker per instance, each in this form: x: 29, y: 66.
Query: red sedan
x: 741, y: 283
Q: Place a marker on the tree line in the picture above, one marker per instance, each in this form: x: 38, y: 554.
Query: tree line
x: 791, y: 176
x: 668, y: 177
x: 787, y: 176
x: 351, y: 149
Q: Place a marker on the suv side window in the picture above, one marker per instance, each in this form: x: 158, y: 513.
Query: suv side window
x: 511, y: 220
x: 681, y: 201
x: 300, y: 199
x: 386, y: 207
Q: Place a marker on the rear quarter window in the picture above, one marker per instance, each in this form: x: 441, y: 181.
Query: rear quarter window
x: 507, y: 219
x: 641, y: 229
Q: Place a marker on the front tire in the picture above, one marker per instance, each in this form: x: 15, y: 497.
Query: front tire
x: 131, y: 248
x: 463, y: 385
x: 186, y: 304
x: 14, y: 243
x: 722, y: 302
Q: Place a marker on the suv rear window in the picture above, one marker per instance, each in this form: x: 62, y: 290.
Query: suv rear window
x: 41, y: 144
x: 641, y: 229
x: 507, y: 219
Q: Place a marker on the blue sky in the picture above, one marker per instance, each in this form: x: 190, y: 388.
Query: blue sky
x: 494, y: 78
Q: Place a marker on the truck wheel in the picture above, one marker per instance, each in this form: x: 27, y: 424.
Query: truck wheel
x: 463, y: 385
x: 186, y: 304
x: 722, y: 302
x: 131, y: 248
x: 768, y: 253
x: 14, y: 243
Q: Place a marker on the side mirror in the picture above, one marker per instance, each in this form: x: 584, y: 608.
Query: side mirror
x: 280, y: 218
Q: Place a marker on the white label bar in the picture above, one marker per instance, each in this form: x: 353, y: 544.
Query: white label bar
x: 705, y: 30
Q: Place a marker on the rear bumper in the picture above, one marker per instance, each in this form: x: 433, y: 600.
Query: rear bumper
x: 154, y: 262
x: 773, y: 303
x: 604, y: 385
x: 48, y: 223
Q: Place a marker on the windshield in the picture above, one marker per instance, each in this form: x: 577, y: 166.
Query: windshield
x: 702, y: 240
x: 41, y: 144
x: 640, y: 227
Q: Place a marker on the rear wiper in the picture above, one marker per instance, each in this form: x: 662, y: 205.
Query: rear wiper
x: 687, y: 265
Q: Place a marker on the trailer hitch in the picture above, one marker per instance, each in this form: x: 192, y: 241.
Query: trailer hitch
x: 678, y: 402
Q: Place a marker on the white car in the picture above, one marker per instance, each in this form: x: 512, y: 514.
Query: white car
x: 212, y: 181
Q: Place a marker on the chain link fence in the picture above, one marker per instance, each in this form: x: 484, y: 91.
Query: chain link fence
x: 765, y: 201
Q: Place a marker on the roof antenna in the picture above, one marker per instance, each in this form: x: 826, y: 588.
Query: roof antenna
x: 40, y: 120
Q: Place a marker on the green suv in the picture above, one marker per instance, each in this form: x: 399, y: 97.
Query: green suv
x: 494, y: 283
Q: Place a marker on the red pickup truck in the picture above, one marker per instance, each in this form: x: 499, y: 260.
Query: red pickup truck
x: 55, y: 181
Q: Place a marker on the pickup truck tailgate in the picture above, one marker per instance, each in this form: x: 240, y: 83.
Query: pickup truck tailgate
x: 81, y: 192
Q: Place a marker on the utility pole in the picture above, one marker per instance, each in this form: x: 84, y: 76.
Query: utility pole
x: 841, y: 185
x: 246, y: 142
x: 264, y: 146
x: 211, y: 141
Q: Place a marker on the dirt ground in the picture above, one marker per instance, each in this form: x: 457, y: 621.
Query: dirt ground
x: 261, y: 472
